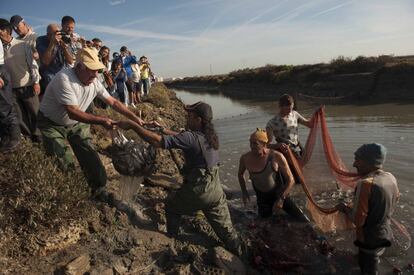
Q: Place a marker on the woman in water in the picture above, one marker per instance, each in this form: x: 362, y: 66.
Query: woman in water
x: 284, y: 127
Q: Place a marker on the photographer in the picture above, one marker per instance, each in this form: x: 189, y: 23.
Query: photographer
x: 69, y: 36
x: 54, y: 54
x: 145, y: 69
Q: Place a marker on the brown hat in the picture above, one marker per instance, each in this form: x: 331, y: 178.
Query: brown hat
x: 89, y: 57
x: 202, y: 109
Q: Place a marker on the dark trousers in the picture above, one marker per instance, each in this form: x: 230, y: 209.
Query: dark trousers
x: 266, y: 201
x: 9, y: 125
x: 368, y: 260
x: 26, y: 104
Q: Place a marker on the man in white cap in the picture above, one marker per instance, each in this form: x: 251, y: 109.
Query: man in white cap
x: 376, y: 196
x: 25, y: 33
x: 62, y: 116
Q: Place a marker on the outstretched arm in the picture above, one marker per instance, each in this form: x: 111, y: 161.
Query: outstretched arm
x: 147, y: 135
x: 242, y: 181
x: 77, y: 114
x: 307, y: 122
x: 280, y: 160
x: 122, y: 109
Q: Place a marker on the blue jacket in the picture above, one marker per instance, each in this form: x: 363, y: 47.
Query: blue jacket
x: 128, y: 60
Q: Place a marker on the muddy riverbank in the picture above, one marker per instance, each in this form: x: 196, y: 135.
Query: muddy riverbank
x: 50, y: 225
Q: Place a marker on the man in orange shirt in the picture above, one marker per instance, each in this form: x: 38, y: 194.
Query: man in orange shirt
x: 376, y: 196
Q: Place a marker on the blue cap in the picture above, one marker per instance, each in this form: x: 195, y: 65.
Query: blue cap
x: 373, y: 154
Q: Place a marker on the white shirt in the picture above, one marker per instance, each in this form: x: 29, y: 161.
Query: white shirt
x: 66, y: 89
x: 1, y: 54
x: 19, y: 62
x: 286, y: 129
x: 30, y: 38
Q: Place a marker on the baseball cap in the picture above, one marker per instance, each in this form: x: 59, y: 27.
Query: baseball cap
x: 202, y: 109
x: 15, y: 20
x: 90, y: 59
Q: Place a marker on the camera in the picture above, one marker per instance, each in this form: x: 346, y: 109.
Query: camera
x: 65, y: 37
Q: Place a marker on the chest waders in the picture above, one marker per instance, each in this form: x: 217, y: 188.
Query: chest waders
x: 202, y: 191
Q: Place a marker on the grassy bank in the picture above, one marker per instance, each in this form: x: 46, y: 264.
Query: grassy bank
x: 382, y: 78
x: 49, y: 213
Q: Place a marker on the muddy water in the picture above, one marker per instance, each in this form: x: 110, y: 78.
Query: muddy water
x: 349, y: 126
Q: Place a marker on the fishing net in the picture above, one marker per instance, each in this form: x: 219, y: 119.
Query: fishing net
x: 131, y: 158
x: 327, y: 182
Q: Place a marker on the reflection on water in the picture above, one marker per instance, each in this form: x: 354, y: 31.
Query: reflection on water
x: 350, y: 126
x: 222, y: 106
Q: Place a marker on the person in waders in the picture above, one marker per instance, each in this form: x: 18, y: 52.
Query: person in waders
x: 271, y: 178
x: 201, y: 189
x: 376, y: 196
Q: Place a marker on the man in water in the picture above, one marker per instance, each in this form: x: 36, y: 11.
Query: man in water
x: 201, y: 189
x: 271, y: 177
x: 375, y: 200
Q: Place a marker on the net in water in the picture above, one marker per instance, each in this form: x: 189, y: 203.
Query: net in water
x: 327, y: 182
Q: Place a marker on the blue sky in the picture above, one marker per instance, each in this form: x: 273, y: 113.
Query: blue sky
x: 183, y: 38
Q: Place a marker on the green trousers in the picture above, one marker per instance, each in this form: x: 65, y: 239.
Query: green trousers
x: 57, y: 139
x: 202, y: 191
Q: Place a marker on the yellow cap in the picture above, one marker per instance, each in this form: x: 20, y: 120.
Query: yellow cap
x: 259, y: 135
x: 90, y: 59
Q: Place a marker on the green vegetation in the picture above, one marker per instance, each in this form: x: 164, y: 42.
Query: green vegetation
x: 358, y: 78
x: 36, y: 197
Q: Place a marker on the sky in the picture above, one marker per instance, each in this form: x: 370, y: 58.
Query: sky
x: 200, y: 37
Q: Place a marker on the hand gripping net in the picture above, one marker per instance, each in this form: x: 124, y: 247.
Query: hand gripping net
x: 327, y: 182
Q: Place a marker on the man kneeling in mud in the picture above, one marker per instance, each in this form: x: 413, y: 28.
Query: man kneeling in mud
x: 201, y: 189
x: 271, y: 177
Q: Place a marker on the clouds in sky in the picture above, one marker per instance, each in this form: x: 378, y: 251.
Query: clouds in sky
x: 116, y: 2
x: 183, y: 38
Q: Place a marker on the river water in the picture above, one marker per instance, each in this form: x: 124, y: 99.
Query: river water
x: 349, y: 125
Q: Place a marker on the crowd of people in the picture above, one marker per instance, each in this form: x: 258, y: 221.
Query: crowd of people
x: 48, y: 83
x: 29, y: 63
